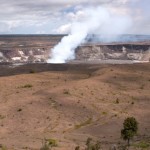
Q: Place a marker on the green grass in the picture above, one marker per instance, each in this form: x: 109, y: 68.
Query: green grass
x: 26, y: 86
x: 142, y: 145
x: 85, y: 123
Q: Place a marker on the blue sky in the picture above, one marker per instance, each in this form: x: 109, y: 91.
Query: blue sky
x: 55, y: 17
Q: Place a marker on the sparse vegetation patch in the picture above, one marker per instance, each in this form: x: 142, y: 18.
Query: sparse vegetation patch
x: 67, y: 92
x: 48, y: 144
x: 26, y: 86
x: 85, y: 123
x: 142, y: 145
x: 2, y: 117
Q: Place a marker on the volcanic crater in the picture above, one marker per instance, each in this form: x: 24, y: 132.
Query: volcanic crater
x: 73, y: 101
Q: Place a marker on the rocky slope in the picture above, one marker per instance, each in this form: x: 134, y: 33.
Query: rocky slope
x: 114, y: 51
x: 26, y: 48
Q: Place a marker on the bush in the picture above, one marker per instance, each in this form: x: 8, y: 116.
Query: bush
x: 48, y: 144
x: 27, y: 86
x: 52, y: 142
x: 92, y: 145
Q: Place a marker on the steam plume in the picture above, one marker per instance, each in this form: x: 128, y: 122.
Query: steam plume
x: 97, y: 20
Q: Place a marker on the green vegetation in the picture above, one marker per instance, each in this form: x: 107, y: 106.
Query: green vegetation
x: 48, y: 144
x: 26, y: 86
x: 91, y: 145
x: 52, y: 142
x: 142, y: 145
x: 87, y: 122
x: 130, y: 129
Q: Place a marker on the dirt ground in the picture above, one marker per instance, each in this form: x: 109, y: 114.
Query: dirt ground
x: 72, y: 102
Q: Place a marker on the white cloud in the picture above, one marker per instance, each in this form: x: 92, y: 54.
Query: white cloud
x: 64, y: 29
x: 15, y: 14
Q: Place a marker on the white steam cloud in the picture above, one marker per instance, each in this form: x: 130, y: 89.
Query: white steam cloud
x: 93, y: 20
x: 1, y: 55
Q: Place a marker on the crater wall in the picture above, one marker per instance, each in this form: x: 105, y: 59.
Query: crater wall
x: 37, y: 48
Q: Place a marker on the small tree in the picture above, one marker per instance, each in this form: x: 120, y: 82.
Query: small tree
x: 130, y: 129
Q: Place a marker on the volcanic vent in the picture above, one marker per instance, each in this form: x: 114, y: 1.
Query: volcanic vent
x: 100, y: 48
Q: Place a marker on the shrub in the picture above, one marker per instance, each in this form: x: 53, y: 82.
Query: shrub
x: 27, y: 86
x: 48, y: 144
x: 104, y: 113
x: 52, y: 142
x: 92, y: 145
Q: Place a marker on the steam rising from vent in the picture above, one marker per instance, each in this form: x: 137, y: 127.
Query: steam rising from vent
x: 93, y: 20
x: 1, y: 55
